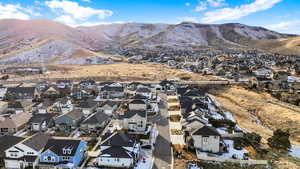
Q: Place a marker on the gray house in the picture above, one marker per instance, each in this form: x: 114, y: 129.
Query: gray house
x: 69, y: 121
x: 41, y: 122
x: 95, y: 123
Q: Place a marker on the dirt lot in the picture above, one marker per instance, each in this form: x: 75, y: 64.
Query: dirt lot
x: 260, y: 112
x: 117, y: 71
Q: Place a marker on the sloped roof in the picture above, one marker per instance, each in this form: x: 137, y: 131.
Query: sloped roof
x: 131, y: 113
x: 39, y: 118
x: 207, y: 131
x: 58, y: 145
x: 116, y: 152
x: 8, y: 141
x: 15, y: 105
x: 75, y: 114
x: 37, y: 141
x: 119, y: 139
x: 97, y: 118
x: 15, y: 121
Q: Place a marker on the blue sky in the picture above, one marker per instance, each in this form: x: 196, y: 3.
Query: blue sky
x: 278, y: 15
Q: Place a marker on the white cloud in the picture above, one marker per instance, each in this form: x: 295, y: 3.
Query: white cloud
x: 76, y: 11
x: 11, y: 11
x: 89, y: 1
x: 216, y: 3
x: 238, y: 11
x: 188, y: 19
x: 204, y: 4
x: 187, y: 4
x: 66, y: 19
x: 286, y: 27
x: 201, y: 6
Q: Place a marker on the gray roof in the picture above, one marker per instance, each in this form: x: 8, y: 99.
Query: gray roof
x: 116, y: 152
x: 8, y: 141
x: 39, y: 118
x: 97, y: 118
x: 207, y: 131
x: 57, y: 146
x: 119, y: 139
x: 131, y: 113
x: 37, y: 141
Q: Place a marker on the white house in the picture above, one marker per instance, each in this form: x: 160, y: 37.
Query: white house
x: 206, y: 139
x: 25, y: 153
x: 135, y: 120
x: 118, y: 150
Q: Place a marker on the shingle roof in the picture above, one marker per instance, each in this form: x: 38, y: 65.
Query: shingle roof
x: 97, y: 118
x: 58, y: 145
x: 131, y: 113
x: 21, y: 90
x: 8, y: 141
x: 39, y: 118
x: 137, y: 101
x: 143, y: 90
x: 119, y: 139
x: 116, y: 152
x: 87, y: 104
x: 15, y: 105
x: 207, y: 131
x: 37, y: 141
x: 75, y: 114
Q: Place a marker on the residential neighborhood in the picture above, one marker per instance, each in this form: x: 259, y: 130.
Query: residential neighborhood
x: 118, y: 125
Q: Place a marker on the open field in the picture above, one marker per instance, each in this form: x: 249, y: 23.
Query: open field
x: 117, y: 71
x: 260, y: 112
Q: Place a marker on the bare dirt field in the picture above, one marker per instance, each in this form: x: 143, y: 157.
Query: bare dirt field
x: 116, y: 71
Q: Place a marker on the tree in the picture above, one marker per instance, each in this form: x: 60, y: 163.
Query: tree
x: 280, y: 140
x: 253, y: 138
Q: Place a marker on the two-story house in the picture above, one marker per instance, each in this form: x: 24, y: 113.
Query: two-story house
x: 25, y: 153
x: 63, y: 153
x: 118, y: 150
x: 69, y: 121
x: 206, y: 139
x: 135, y: 120
x: 41, y: 122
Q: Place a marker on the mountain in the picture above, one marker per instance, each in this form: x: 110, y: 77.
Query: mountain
x: 180, y: 35
x: 42, y: 40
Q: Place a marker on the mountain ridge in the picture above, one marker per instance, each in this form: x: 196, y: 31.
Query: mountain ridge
x: 65, y: 41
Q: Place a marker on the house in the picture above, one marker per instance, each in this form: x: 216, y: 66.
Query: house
x: 145, y: 92
x: 118, y: 150
x: 109, y: 107
x: 25, y: 153
x: 63, y: 153
x: 22, y: 93
x: 41, y: 122
x: 88, y: 106
x: 15, y: 123
x: 167, y: 86
x: 206, y: 139
x: 3, y: 91
x: 5, y: 143
x: 87, y: 84
x: 95, y: 123
x: 137, y: 105
x: 112, y: 92
x: 69, y: 121
x: 64, y: 105
x: 135, y: 120
x: 63, y: 83
x: 15, y: 107
x: 51, y: 92
x: 45, y: 107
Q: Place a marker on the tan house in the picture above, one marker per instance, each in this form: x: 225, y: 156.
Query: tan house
x: 14, y: 123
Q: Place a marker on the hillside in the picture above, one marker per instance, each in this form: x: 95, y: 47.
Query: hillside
x: 286, y: 46
x: 42, y: 40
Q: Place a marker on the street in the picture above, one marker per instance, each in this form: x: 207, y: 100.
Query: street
x: 162, y: 151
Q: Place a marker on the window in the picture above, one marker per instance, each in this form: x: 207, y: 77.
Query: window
x: 30, y: 153
x: 64, y: 151
x: 69, y: 151
x: 66, y: 158
x: 49, y: 158
x: 205, y: 139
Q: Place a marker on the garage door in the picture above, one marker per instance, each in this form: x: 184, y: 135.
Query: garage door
x: 11, y: 164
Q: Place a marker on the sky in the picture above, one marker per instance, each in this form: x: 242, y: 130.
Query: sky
x: 279, y: 15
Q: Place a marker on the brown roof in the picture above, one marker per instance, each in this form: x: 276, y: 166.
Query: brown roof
x: 76, y: 114
x: 15, y: 121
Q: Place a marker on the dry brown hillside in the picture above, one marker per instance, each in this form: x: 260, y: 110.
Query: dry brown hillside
x: 285, y: 46
x: 260, y: 112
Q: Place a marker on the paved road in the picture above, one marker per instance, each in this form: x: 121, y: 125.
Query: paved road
x: 162, y: 151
